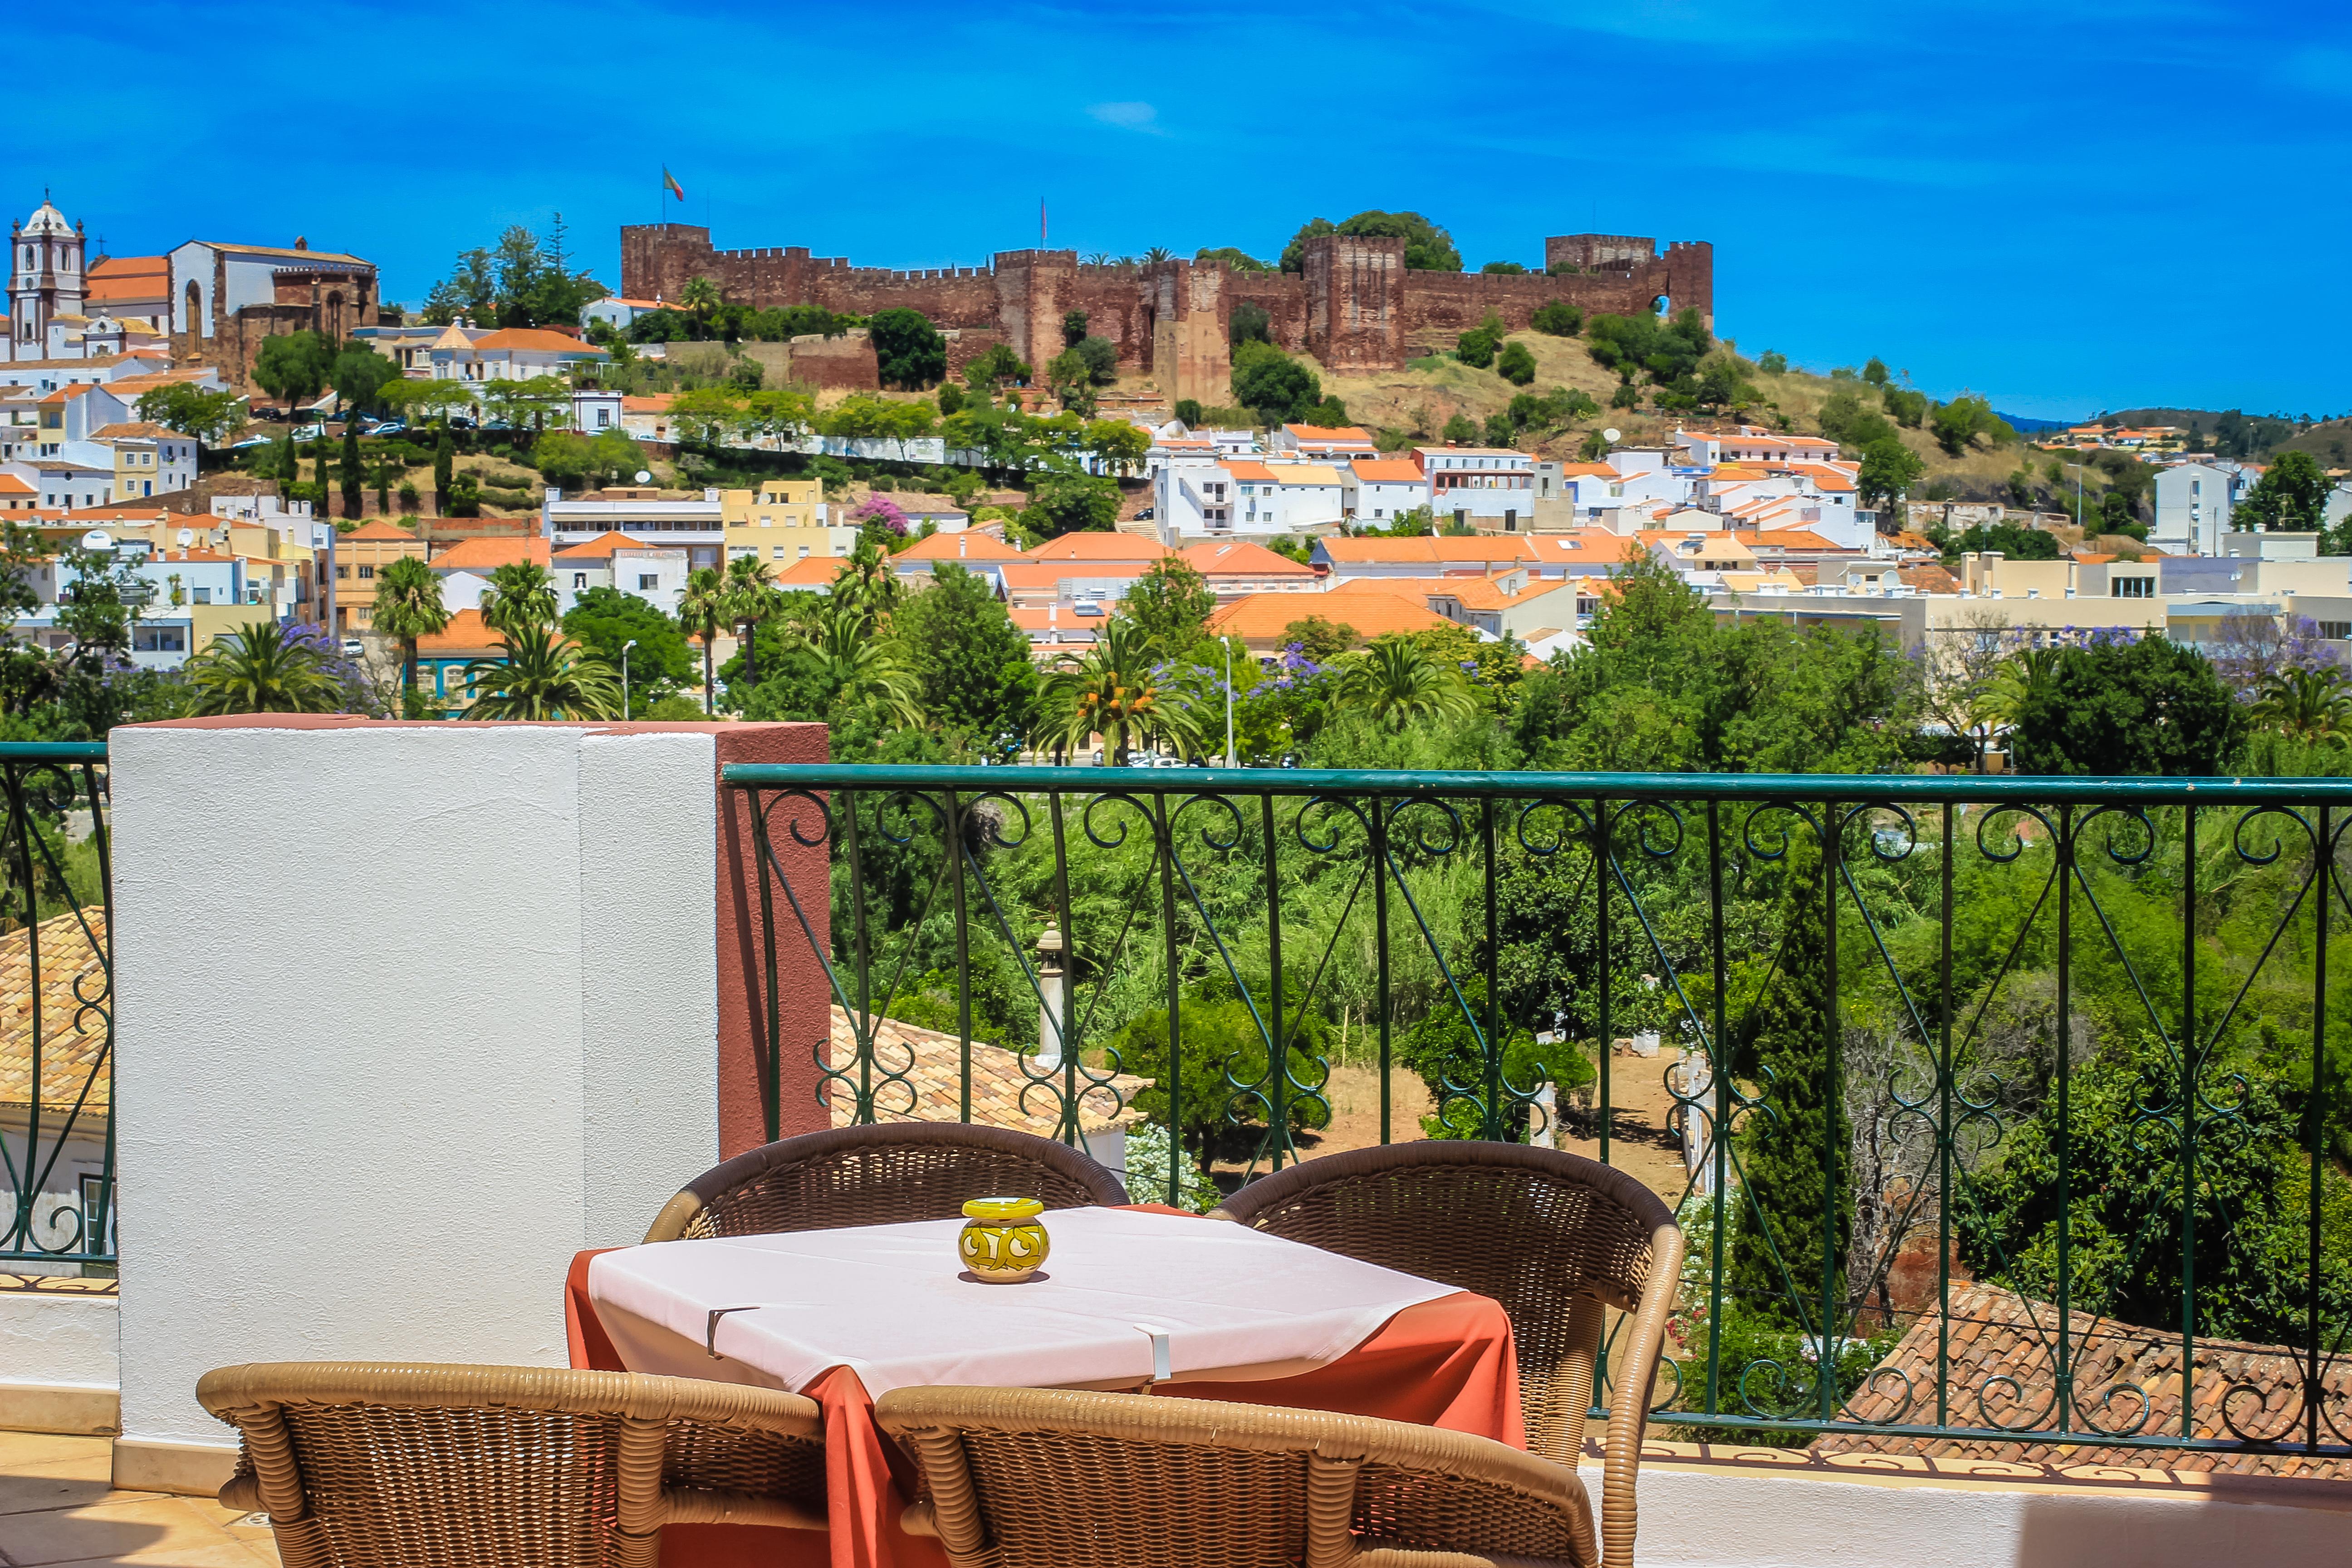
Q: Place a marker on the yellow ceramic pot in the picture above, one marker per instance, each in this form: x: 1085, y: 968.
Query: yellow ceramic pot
x: 1002, y: 1241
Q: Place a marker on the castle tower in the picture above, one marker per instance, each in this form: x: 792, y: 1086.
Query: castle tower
x: 1355, y: 301
x: 45, y: 278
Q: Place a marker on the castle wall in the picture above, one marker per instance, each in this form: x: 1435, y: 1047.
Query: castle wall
x: 1355, y: 309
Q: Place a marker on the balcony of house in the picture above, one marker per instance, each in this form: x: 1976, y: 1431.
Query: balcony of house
x: 1588, y: 1168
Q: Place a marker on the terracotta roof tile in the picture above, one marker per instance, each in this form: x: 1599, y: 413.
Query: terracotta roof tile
x: 930, y: 1066
x: 73, y: 1036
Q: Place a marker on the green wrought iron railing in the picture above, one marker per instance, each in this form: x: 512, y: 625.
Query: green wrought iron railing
x: 57, y: 1038
x: 2006, y: 1110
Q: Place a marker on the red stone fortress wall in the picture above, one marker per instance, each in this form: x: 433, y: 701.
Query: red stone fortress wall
x: 1356, y: 307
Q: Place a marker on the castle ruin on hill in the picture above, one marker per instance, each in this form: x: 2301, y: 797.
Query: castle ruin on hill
x: 1355, y: 309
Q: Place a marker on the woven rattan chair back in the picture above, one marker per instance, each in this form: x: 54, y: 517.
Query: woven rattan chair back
x: 1021, y: 1477
x: 882, y: 1174
x: 1555, y: 1237
x: 362, y: 1464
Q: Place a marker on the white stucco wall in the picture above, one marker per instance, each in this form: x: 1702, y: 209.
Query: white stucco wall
x: 56, y: 1339
x: 441, y: 1012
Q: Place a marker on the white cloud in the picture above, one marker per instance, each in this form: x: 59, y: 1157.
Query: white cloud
x: 1129, y: 117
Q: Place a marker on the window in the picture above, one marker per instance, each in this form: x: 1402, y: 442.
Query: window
x: 367, y: 573
x: 2132, y: 588
x: 204, y: 595
x: 579, y: 581
x: 159, y: 639
x: 603, y: 417
x: 648, y: 581
x: 804, y: 555
x: 342, y: 572
x: 2336, y: 631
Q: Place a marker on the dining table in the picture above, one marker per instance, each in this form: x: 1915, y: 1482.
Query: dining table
x: 1138, y: 1298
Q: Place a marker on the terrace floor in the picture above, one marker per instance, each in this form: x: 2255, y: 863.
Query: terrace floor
x: 59, y: 1506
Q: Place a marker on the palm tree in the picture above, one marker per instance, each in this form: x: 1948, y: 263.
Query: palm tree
x: 862, y: 666
x: 520, y: 599
x: 702, y: 299
x: 2004, y: 696
x: 408, y: 606
x: 868, y: 584
x: 543, y: 675
x: 1117, y: 691
x: 1157, y: 253
x: 702, y: 611
x: 1396, y: 683
x: 751, y: 597
x: 260, y: 669
x: 2309, y: 705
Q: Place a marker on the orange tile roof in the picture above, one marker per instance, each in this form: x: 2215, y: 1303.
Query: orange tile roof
x: 1588, y: 471
x: 1372, y: 612
x: 73, y: 1038
x: 1099, y: 547
x: 969, y: 545
x: 652, y: 403
x: 1381, y: 549
x: 811, y: 572
x: 1793, y: 538
x: 376, y: 528
x: 537, y: 340
x: 1053, y: 617
x: 1256, y: 473
x: 1585, y: 547
x: 10, y: 485
x: 1322, y: 433
x: 600, y: 548
x: 465, y: 633
x: 1241, y: 557
x: 491, y: 551
x: 139, y: 428
x: 1001, y: 1082
x: 1471, y: 593
x: 1386, y: 471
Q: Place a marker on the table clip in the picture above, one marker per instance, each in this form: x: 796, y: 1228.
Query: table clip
x: 710, y: 1329
x: 1162, y: 1366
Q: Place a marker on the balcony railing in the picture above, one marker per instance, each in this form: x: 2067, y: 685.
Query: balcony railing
x: 1938, y: 1062
x: 57, y: 1038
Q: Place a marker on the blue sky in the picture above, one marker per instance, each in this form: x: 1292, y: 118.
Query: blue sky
x: 2064, y: 205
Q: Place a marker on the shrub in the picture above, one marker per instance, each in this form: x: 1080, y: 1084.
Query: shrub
x: 1516, y: 364
x: 1559, y: 319
x: 1188, y: 409
x: 1774, y: 363
x: 410, y: 502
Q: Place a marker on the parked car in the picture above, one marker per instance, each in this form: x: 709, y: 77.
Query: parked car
x: 353, y: 647
x: 250, y: 441
x: 311, y: 432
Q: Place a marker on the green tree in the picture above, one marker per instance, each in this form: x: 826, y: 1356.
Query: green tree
x: 352, y: 471
x: 1115, y: 690
x: 2291, y: 496
x: 98, y: 601
x: 1460, y: 429
x: 1475, y: 348
x: 1888, y: 470
x: 1427, y: 247
x: 908, y: 350
x: 702, y: 299
x: 408, y: 606
x: 2013, y: 542
x: 519, y: 599
x: 260, y: 669
x: 1559, y: 319
x: 1071, y: 380
x: 1773, y: 362
x: 1238, y: 259
x: 359, y: 374
x: 701, y: 615
x: 1795, y: 1169
x: 1272, y: 385
x: 2146, y: 706
x: 1249, y: 323
x: 1074, y: 328
x: 543, y: 675
x: 192, y: 410
x: 292, y: 367
x: 984, y: 372
x: 1964, y: 420
x: 1071, y: 503
x: 1171, y: 602
x: 973, y: 673
x: 1516, y: 364
x: 1396, y: 682
x: 1318, y: 639
x: 1876, y: 373
x: 1188, y: 411
x: 445, y: 461
x: 751, y: 598
x: 604, y: 621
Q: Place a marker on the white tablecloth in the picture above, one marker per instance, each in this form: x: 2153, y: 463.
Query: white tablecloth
x: 893, y: 1302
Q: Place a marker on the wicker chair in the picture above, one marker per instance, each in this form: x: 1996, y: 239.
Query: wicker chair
x: 880, y: 1175
x: 363, y: 1463
x: 1024, y: 1478
x: 1554, y: 1236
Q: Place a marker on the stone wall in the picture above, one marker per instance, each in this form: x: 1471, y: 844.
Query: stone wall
x: 1356, y: 309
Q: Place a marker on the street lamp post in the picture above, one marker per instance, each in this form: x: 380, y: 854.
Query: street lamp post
x: 1230, y: 761
x: 625, y: 678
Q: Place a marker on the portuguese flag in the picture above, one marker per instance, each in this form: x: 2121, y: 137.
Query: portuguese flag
x: 669, y: 183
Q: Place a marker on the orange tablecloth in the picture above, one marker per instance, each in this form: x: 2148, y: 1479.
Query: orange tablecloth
x: 1448, y: 1363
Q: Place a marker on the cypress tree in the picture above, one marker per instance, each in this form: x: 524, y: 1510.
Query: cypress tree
x: 325, y: 509
x: 444, y: 465
x: 1786, y: 1050
x: 354, y: 476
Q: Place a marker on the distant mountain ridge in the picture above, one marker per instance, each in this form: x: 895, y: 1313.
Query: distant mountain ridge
x: 2025, y: 426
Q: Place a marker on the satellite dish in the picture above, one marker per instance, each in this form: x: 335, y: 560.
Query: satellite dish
x: 643, y: 478
x: 1608, y: 435
x: 186, y: 537
x: 97, y: 539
